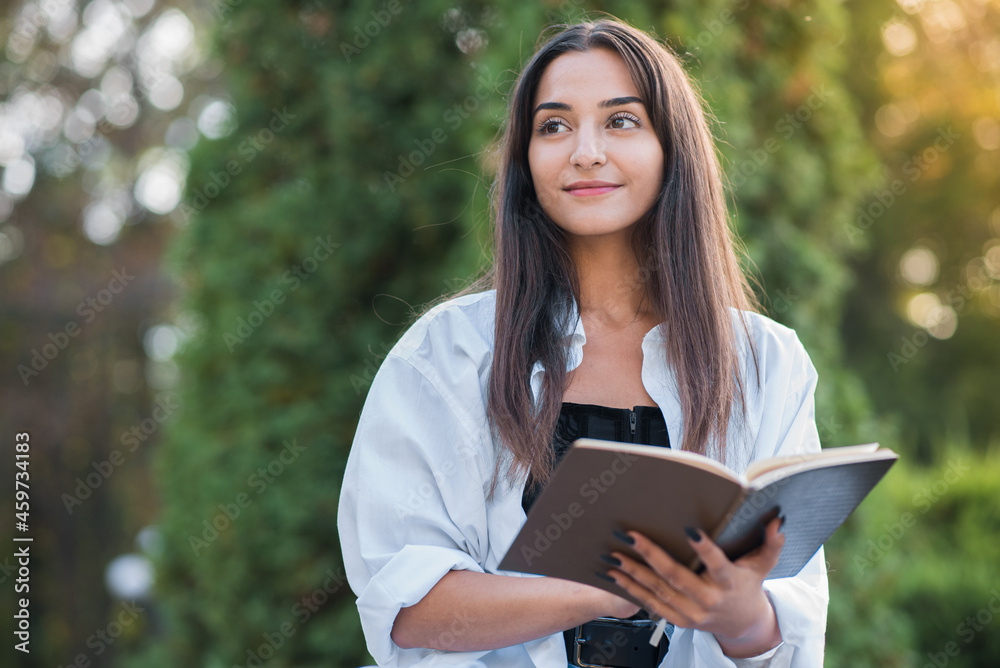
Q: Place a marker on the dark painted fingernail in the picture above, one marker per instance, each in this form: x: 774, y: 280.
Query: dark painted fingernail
x: 608, y: 559
x: 692, y: 534
x: 605, y: 576
x: 624, y: 537
x: 781, y: 527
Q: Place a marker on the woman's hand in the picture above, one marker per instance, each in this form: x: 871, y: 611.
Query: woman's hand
x: 611, y: 605
x: 725, y: 599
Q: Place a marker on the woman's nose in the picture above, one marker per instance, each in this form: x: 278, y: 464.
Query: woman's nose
x: 589, y: 149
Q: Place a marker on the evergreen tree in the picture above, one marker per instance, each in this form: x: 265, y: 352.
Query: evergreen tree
x: 337, y: 202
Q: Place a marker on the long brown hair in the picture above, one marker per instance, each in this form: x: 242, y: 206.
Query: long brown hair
x: 684, y: 241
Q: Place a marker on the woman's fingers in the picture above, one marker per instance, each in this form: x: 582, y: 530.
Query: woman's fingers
x: 662, y: 565
x: 662, y: 601
x: 717, y: 564
x: 764, y: 558
x: 723, y: 599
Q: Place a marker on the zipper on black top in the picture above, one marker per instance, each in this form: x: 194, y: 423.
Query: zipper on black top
x: 631, y: 423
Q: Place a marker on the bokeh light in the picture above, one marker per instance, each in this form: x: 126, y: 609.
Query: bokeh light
x: 79, y: 125
x: 899, y: 37
x: 19, y: 176
x: 182, y: 134
x: 216, y: 119
x: 11, y: 143
x: 138, y: 8
x: 103, y: 221
x: 161, y: 184
x: 171, y: 35
x: 919, y: 266
x: 167, y: 93
x: 105, y: 31
x: 987, y: 133
x: 129, y: 576
x: 161, y: 342
x: 991, y: 256
x: 6, y: 206
x: 926, y: 310
x: 116, y: 81
x: 11, y: 243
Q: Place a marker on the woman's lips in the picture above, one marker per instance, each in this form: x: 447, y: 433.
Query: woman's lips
x: 591, y: 190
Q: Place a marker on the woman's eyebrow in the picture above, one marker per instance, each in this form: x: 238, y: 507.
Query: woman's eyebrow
x: 619, y: 101
x: 613, y: 102
x: 560, y: 106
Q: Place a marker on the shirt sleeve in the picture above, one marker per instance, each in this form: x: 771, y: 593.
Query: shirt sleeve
x: 787, y: 427
x: 413, y: 501
x: 800, y: 602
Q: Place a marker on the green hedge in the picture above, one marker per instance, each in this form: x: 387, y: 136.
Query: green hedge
x: 913, y: 574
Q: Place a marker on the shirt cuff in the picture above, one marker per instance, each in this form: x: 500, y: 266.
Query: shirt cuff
x: 765, y: 660
x: 402, y: 582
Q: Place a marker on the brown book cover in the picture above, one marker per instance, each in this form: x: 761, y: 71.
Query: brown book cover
x: 602, y: 486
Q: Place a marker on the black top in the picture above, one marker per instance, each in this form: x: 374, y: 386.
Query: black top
x: 640, y: 424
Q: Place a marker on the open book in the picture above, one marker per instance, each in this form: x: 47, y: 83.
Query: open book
x: 602, y: 486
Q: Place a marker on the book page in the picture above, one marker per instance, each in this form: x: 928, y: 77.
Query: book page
x: 814, y: 502
x: 763, y: 466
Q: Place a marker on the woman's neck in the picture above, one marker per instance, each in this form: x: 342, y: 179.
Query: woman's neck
x: 612, y: 287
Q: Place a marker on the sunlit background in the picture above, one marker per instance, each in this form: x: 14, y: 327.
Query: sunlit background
x: 942, y: 63
x: 102, y: 104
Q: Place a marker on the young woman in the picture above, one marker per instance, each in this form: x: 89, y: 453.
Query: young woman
x: 616, y: 298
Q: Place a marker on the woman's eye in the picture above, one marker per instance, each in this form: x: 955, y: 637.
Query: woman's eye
x: 551, y: 127
x: 624, y: 122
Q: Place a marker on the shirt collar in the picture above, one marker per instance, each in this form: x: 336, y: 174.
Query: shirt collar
x: 657, y: 376
x: 576, y: 338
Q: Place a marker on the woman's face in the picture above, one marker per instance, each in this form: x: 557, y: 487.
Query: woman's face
x: 595, y: 160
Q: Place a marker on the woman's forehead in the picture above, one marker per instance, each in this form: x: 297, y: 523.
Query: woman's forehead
x: 599, y: 73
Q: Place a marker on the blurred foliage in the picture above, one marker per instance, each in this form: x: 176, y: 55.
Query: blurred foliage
x: 914, y: 568
x: 82, y: 292
x: 922, y: 320
x: 796, y: 159
x: 298, y: 273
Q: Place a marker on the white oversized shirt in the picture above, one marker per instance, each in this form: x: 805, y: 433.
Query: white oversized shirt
x: 414, y: 503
